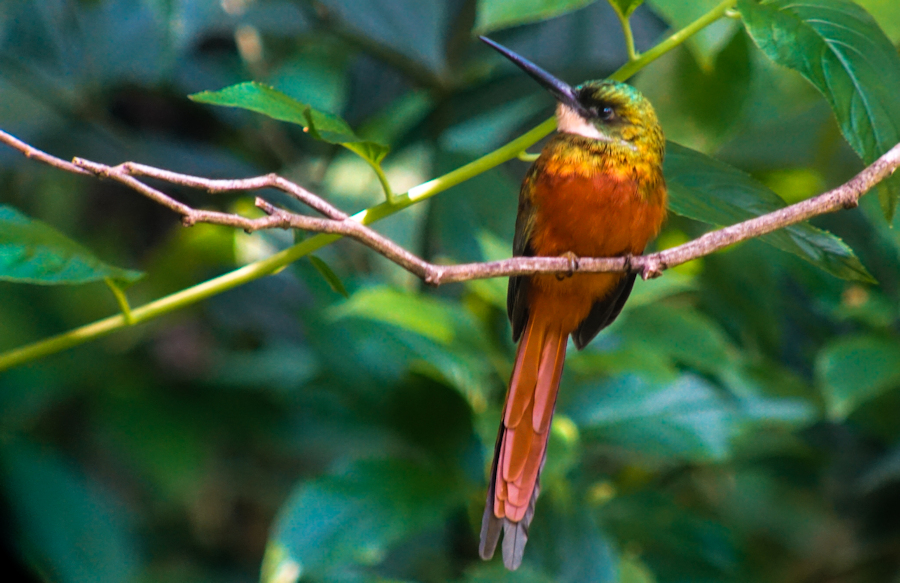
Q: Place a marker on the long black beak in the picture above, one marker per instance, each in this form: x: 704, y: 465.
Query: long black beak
x: 560, y: 89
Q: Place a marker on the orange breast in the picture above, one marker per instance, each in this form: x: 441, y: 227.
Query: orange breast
x: 591, y: 214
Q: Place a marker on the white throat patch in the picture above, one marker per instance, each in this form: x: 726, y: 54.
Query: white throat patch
x: 569, y: 121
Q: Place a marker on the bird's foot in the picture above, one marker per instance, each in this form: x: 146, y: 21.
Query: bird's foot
x: 573, y: 265
x: 648, y: 266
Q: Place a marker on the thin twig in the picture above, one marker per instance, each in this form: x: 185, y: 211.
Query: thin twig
x: 231, y: 185
x: 274, y: 263
x: 338, y: 223
x: 31, y: 152
x: 649, y: 266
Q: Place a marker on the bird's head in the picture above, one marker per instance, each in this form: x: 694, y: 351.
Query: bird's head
x: 603, y: 110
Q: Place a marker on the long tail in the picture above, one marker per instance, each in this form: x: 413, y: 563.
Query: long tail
x: 522, y: 440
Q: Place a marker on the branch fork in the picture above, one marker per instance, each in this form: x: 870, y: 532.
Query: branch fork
x: 336, y: 222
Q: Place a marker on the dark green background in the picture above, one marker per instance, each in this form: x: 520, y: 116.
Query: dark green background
x: 738, y: 423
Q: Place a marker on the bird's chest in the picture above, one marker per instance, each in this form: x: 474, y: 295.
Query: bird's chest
x: 592, y: 214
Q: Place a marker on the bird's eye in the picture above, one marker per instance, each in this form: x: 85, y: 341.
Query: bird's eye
x: 607, y: 113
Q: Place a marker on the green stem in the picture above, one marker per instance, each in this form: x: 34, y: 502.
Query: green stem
x: 278, y: 261
x: 626, y: 30
x: 389, y: 195
x: 632, y: 67
x: 121, y: 298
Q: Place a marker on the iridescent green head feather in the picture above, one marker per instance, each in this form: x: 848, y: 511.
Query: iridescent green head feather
x: 617, y: 112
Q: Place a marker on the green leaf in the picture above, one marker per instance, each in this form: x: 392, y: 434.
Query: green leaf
x: 713, y: 192
x: 426, y: 316
x: 654, y: 290
x: 701, y: 106
x: 34, y: 252
x: 887, y: 14
x: 685, y: 336
x: 354, y: 517
x: 414, y: 30
x: 434, y: 337
x: 853, y: 370
x: 491, y: 129
x: 625, y: 7
x: 688, y: 419
x: 632, y: 570
x: 320, y: 125
x: 492, y: 15
x: 706, y: 44
x: 370, y: 151
x: 76, y: 531
x: 839, y: 48
x: 283, y: 366
x: 262, y: 99
x: 574, y: 546
x: 334, y: 282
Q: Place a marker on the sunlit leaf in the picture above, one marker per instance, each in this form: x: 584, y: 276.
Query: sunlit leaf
x: 275, y: 104
x: 887, y: 14
x: 839, y: 48
x: 713, y: 192
x: 265, y: 100
x: 355, y: 516
x: 492, y: 15
x: 625, y: 7
x: 369, y: 150
x: 433, y: 337
x: 426, y: 316
x: 34, y: 252
x: 632, y: 570
x: 856, y: 369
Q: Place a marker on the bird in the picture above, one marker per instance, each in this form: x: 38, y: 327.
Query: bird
x: 596, y: 190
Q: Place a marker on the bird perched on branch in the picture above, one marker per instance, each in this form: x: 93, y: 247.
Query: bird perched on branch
x: 597, y: 190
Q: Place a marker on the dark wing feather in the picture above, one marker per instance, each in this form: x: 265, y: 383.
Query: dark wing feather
x: 517, y: 292
x: 603, y: 312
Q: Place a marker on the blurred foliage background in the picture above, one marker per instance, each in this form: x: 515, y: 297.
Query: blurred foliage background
x: 737, y: 423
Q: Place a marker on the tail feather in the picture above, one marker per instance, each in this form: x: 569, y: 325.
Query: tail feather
x: 549, y: 373
x: 516, y: 448
x: 522, y: 441
x: 515, y: 534
x: 524, y: 377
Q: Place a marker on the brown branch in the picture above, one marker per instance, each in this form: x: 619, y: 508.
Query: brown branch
x: 32, y: 152
x: 216, y: 186
x: 339, y: 223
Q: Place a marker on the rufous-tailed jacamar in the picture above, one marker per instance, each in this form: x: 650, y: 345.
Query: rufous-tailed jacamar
x: 596, y: 190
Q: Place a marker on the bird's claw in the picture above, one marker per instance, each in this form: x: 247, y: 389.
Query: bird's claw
x: 573, y: 265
